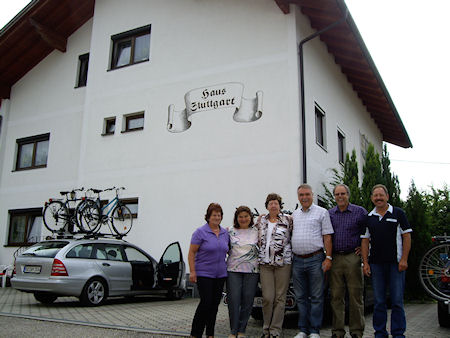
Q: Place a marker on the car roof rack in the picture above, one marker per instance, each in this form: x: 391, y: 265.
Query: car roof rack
x: 79, y: 235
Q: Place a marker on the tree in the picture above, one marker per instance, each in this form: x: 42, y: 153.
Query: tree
x: 416, y: 208
x: 351, y: 177
x: 372, y: 175
x: 390, y: 180
x: 336, y: 178
x: 439, y: 207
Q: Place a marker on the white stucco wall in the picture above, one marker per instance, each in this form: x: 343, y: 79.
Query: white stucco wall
x: 194, y: 44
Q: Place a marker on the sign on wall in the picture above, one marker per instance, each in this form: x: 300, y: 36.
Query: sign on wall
x: 221, y: 96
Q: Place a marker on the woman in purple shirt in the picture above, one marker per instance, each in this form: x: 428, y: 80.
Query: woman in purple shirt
x: 207, y: 265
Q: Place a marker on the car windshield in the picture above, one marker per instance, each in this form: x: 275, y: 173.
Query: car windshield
x: 45, y: 249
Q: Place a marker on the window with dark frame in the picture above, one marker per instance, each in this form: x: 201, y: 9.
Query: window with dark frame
x: 131, y: 47
x: 132, y: 204
x: 25, y: 226
x: 341, y: 147
x: 109, y: 126
x: 83, y: 62
x: 32, y: 152
x: 134, y: 122
x: 320, y: 126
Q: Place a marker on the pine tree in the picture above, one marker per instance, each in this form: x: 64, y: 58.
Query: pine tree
x: 416, y: 208
x: 372, y: 176
x: 351, y: 177
x: 390, y: 180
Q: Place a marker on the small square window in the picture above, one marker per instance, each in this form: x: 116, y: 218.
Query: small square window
x: 25, y: 226
x: 320, y: 127
x: 109, y: 126
x: 341, y: 147
x: 131, y: 47
x: 133, y: 122
x: 83, y: 62
x: 132, y: 204
x: 32, y: 152
x: 364, y: 145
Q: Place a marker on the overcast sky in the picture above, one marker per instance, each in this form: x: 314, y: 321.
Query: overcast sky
x: 408, y: 41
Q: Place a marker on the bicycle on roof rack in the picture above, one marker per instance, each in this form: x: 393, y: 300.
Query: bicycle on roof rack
x: 115, y: 214
x: 60, y: 215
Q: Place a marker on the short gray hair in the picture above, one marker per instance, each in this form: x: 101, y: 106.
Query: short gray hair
x: 304, y: 186
x: 342, y: 185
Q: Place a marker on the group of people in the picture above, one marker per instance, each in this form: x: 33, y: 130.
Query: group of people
x: 345, y: 240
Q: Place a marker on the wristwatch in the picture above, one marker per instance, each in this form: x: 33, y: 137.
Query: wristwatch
x: 329, y: 257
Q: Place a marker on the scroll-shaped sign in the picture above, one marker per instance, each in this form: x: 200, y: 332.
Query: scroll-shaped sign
x: 221, y: 96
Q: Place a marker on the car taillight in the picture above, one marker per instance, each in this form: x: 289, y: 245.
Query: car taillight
x: 14, y: 270
x: 58, y: 268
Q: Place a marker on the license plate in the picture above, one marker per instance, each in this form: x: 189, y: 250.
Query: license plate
x: 257, y: 302
x: 32, y: 269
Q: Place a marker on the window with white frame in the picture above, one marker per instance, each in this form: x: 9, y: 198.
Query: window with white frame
x: 341, y: 146
x: 320, y: 126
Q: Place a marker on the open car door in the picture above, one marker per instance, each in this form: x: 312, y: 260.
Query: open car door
x: 171, y: 267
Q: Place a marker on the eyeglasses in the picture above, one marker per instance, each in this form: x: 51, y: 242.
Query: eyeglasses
x: 340, y: 194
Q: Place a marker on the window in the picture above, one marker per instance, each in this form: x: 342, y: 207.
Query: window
x: 81, y: 251
x: 341, y: 147
x: 130, y: 47
x: 32, y: 152
x: 109, y: 126
x: 320, y: 126
x: 133, y: 122
x: 132, y: 204
x: 134, y: 255
x: 25, y: 226
x: 83, y: 61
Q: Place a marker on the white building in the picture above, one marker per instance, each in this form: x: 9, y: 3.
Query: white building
x: 236, y: 64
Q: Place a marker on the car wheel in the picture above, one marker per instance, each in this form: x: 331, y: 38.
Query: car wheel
x: 94, y: 292
x: 175, y: 294
x: 443, y: 315
x: 45, y: 298
x: 257, y: 313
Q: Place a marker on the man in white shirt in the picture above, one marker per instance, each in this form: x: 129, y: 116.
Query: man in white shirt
x: 311, y: 235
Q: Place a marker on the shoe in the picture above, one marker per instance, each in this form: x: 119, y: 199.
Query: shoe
x: 301, y: 335
x: 314, y: 335
x: 240, y: 335
x: 336, y: 336
x: 354, y: 335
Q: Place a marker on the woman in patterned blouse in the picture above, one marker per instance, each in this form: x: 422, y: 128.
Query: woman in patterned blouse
x: 275, y: 257
x: 242, y: 266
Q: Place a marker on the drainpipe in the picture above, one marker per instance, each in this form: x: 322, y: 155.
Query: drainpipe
x: 302, y: 85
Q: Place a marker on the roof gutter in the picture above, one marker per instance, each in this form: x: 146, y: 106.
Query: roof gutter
x: 369, y: 59
x: 302, y: 88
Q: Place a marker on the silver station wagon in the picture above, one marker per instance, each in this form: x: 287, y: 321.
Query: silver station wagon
x: 94, y: 269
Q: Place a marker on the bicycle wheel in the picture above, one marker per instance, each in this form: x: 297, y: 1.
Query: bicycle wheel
x: 434, y: 272
x: 55, y: 216
x: 88, y: 216
x: 121, y: 220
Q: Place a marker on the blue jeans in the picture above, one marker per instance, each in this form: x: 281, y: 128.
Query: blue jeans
x: 387, y: 276
x: 308, y: 279
x: 241, y: 288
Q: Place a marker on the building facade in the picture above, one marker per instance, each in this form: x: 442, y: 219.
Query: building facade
x: 182, y: 102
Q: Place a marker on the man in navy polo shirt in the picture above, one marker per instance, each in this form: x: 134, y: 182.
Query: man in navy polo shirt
x: 388, y: 232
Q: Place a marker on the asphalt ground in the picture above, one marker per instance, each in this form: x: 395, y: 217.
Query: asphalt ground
x: 22, y: 316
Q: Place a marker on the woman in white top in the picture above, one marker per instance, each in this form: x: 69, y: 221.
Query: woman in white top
x: 242, y: 267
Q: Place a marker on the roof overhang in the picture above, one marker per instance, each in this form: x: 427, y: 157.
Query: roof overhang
x: 345, y: 43
x: 41, y: 27
x: 45, y: 25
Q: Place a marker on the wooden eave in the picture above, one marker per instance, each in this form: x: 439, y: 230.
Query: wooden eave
x: 40, y: 28
x: 45, y: 25
x: 349, y: 51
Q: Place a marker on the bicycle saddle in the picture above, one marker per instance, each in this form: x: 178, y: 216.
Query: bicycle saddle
x: 96, y: 191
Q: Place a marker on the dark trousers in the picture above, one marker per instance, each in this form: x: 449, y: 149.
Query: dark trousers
x: 210, y: 290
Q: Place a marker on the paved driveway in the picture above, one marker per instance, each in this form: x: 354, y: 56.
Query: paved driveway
x: 173, y: 318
